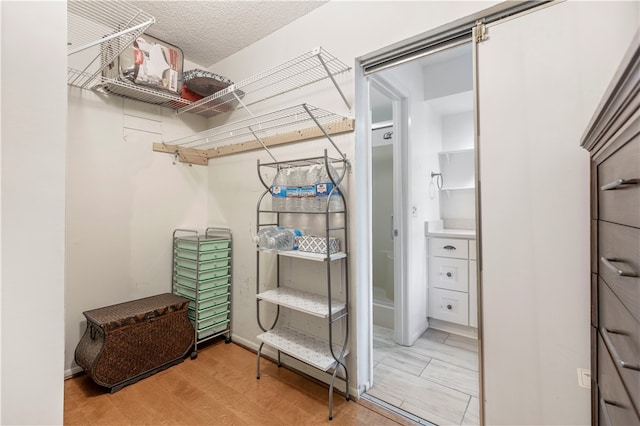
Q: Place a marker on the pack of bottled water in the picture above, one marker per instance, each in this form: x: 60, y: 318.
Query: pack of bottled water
x: 278, y: 238
x: 306, y: 189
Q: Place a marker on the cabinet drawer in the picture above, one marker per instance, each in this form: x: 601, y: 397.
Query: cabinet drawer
x: 450, y: 274
x: 621, y: 334
x: 621, y: 204
x: 446, y: 305
x: 615, y: 407
x: 619, y: 254
x: 449, y: 247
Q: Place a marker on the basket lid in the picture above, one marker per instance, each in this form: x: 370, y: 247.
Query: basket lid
x: 135, y: 311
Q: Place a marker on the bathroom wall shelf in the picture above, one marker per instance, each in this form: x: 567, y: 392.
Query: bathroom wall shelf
x: 457, y: 168
x: 293, y: 124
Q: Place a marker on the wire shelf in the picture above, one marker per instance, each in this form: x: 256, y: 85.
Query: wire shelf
x: 275, y: 123
x: 98, y: 31
x: 140, y: 93
x: 306, y: 69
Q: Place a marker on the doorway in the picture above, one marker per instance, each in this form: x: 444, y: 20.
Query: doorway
x: 424, y: 329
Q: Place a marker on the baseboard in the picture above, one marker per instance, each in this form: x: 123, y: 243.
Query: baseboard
x: 71, y: 372
x: 450, y: 327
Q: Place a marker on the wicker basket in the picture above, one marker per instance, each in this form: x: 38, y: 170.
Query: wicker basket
x: 129, y: 341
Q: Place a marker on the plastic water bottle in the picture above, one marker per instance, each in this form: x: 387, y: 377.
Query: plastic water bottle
x: 335, y: 203
x: 323, y: 189
x: 308, y: 189
x: 266, y: 237
x: 293, y: 189
x: 279, y: 192
x: 286, y: 239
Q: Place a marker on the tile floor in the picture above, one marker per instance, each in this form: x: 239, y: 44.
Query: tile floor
x: 436, y: 379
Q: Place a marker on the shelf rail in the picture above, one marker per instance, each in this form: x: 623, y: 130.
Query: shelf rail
x: 300, y: 122
x: 110, y: 25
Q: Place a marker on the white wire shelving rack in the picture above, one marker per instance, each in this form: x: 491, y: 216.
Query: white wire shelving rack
x: 300, y: 122
x: 99, y: 31
x: 301, y: 71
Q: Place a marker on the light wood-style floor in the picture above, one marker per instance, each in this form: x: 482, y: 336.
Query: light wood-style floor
x: 218, y: 388
x: 435, y: 379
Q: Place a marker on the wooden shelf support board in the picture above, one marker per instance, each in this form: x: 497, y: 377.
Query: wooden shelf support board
x: 201, y: 156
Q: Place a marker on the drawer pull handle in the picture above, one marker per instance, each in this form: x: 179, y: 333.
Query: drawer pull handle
x: 605, y: 412
x: 449, y: 274
x: 449, y: 307
x: 618, y: 272
x: 617, y: 184
x: 612, y: 350
x: 449, y: 247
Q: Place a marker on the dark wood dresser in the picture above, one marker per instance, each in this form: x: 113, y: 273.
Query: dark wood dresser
x: 613, y: 139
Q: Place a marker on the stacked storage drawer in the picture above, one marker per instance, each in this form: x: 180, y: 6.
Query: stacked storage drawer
x: 202, y: 274
x: 613, y: 139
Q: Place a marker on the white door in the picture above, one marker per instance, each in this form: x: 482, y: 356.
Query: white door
x: 539, y: 79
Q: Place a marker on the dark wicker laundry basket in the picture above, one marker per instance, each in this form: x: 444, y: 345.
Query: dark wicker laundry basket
x: 129, y: 341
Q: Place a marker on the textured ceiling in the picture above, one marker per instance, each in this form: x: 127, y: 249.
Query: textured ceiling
x: 210, y: 30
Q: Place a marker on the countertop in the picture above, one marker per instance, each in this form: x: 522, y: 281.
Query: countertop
x: 453, y: 233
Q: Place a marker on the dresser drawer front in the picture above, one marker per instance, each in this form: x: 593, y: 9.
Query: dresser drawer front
x: 449, y: 274
x: 621, y: 332
x: 621, y: 204
x: 619, y: 254
x: 452, y: 306
x: 449, y: 247
x: 615, y: 406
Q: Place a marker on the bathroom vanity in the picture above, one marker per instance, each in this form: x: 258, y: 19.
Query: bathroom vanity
x: 452, y: 276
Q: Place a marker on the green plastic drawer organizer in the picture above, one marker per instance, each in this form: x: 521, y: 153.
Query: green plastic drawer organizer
x: 202, y: 294
x: 202, y: 243
x: 203, y: 284
x: 202, y: 265
x: 202, y: 275
x: 213, y: 330
x: 212, y: 301
x: 203, y: 255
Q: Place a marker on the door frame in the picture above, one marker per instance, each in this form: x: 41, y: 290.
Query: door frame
x: 400, y: 189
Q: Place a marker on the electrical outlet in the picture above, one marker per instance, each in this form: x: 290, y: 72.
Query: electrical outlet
x: 414, y: 211
x: 584, y: 378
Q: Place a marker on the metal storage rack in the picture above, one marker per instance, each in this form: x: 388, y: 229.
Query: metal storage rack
x: 202, y: 272
x: 323, y: 354
x: 99, y: 31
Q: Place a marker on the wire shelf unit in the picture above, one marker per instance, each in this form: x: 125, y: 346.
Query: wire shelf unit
x: 306, y: 69
x: 97, y: 32
x: 286, y: 125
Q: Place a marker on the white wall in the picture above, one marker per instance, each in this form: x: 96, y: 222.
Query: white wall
x: 541, y: 77
x: 33, y: 172
x: 123, y: 203
x: 347, y: 30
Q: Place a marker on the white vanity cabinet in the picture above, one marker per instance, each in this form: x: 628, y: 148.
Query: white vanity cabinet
x: 452, y: 280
